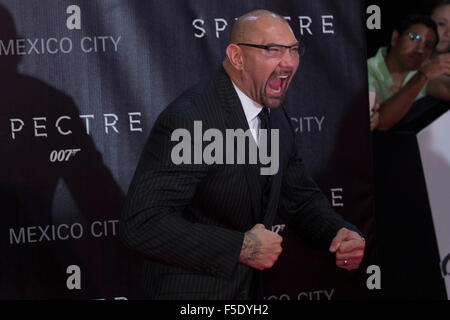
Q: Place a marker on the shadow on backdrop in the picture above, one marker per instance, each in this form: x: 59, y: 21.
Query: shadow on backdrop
x: 38, y: 231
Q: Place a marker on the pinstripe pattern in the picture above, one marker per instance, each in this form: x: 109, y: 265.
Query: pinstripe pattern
x: 189, y: 220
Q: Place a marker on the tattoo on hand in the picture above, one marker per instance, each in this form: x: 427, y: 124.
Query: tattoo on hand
x: 250, y: 248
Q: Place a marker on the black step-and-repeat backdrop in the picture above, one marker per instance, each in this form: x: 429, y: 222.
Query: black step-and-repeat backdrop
x: 82, y: 83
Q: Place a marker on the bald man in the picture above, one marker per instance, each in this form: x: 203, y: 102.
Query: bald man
x: 205, y: 229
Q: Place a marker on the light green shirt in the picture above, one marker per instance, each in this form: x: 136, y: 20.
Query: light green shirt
x: 380, y: 79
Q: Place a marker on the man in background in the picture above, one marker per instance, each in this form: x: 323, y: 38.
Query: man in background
x: 403, y: 72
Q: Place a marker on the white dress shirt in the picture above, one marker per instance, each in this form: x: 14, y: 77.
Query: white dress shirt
x: 251, y: 110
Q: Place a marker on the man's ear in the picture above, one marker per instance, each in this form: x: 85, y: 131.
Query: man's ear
x: 394, y: 38
x: 235, y: 57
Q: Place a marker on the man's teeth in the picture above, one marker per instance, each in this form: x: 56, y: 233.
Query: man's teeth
x: 284, y: 77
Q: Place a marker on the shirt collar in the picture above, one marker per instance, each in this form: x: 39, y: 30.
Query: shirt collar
x: 251, y: 108
x: 381, y: 59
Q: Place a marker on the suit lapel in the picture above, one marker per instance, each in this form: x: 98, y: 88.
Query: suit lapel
x: 235, y: 119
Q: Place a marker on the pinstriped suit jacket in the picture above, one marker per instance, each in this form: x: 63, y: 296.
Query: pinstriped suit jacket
x: 189, y: 220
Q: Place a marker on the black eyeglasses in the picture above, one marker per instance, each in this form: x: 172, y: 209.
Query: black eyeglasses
x: 278, y: 50
x: 417, y: 38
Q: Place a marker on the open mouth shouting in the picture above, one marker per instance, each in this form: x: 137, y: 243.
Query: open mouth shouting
x: 277, y: 84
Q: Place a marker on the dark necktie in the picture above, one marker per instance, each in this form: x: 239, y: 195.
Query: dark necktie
x: 263, y: 115
x: 264, y: 179
x: 265, y: 124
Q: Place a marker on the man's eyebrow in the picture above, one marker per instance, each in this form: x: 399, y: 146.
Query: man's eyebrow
x: 282, y: 45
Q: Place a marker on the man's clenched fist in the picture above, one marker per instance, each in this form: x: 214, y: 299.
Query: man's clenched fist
x: 261, y: 248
